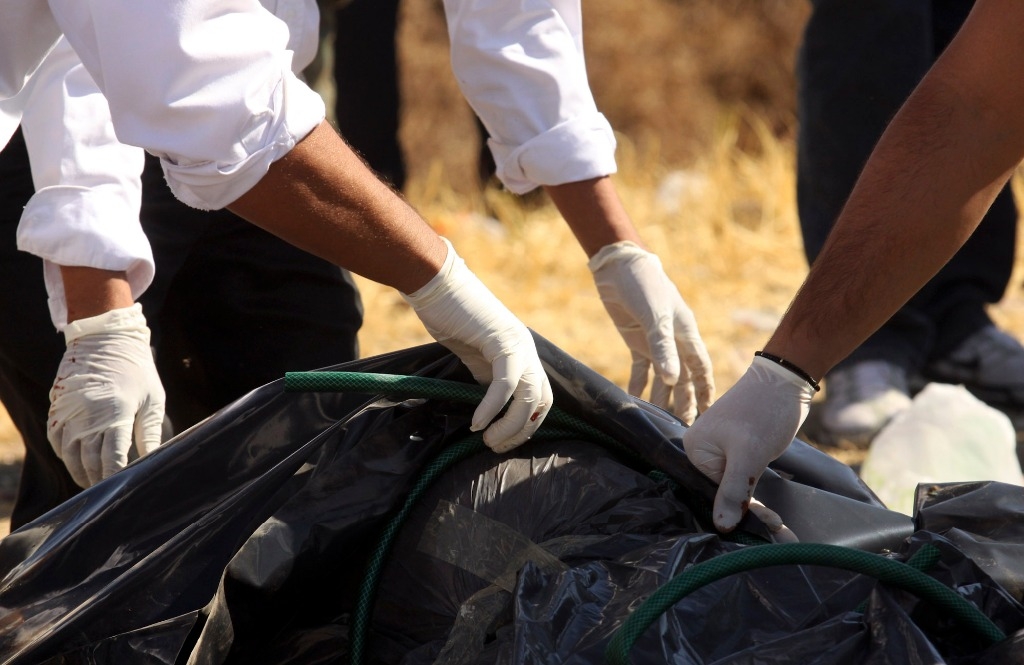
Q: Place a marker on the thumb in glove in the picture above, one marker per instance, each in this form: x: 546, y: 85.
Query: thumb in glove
x: 463, y: 315
x: 748, y: 427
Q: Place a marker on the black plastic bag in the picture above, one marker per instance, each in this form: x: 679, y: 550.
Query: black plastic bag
x: 246, y: 539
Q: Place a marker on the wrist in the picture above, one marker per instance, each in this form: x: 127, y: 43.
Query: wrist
x: 790, y: 367
x: 126, y: 319
x: 623, y: 250
x: 438, y: 282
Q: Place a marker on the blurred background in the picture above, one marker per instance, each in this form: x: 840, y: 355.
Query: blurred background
x: 701, y: 94
x: 670, y: 75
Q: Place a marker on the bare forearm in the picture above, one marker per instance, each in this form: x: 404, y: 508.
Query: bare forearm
x: 91, y: 291
x: 922, y: 193
x: 594, y: 212
x: 323, y: 199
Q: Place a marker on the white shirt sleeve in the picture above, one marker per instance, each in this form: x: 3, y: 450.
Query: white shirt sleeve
x: 303, y: 20
x: 206, y: 86
x: 27, y: 33
x: 521, y: 67
x: 85, y: 211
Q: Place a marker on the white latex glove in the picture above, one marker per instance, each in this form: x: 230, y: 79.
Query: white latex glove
x: 748, y: 427
x: 463, y: 315
x: 106, y: 390
x: 658, y: 328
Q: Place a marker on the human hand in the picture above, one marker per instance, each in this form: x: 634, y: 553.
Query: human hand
x: 463, y: 315
x: 749, y: 426
x: 106, y: 390
x: 658, y: 328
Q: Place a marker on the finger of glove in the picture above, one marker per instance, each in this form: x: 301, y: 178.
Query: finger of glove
x: 771, y: 519
x: 664, y: 355
x: 734, y: 493
x: 661, y: 394
x: 149, y: 426
x: 520, y: 423
x: 71, y: 454
x: 684, y: 403
x: 700, y: 373
x: 55, y: 434
x: 530, y: 404
x: 498, y: 393
x: 694, y: 356
x: 638, y: 373
x: 117, y: 441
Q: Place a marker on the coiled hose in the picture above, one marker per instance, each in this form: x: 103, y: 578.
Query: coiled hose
x: 559, y: 425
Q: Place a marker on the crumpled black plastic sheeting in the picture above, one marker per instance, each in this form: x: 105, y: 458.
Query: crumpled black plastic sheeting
x: 244, y: 540
x: 622, y: 537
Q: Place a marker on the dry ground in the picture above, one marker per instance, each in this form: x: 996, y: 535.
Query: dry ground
x: 701, y: 93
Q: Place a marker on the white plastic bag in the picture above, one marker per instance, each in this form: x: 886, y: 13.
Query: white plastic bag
x: 946, y: 435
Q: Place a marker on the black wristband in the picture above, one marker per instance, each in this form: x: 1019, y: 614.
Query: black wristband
x: 791, y: 367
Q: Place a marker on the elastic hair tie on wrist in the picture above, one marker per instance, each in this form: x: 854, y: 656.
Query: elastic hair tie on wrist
x: 790, y: 366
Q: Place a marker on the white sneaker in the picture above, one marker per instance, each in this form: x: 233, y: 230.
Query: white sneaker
x: 989, y: 363
x: 861, y: 398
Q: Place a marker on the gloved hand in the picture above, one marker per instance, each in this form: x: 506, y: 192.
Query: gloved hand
x: 658, y: 328
x: 748, y: 427
x: 463, y: 315
x: 106, y: 390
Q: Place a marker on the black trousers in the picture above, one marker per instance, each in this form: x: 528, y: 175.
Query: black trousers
x: 366, y: 84
x: 231, y: 308
x: 367, y: 95
x: 30, y: 348
x: 859, y: 61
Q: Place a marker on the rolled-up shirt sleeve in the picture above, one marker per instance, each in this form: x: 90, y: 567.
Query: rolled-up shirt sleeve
x: 521, y: 67
x: 206, y: 86
x: 85, y: 211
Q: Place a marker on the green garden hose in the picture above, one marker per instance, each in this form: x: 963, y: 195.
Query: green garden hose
x: 886, y: 570
x: 430, y: 388
x: 425, y: 387
x: 451, y: 455
x: 557, y: 426
x: 560, y: 425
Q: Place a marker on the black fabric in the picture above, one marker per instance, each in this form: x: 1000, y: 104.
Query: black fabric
x: 233, y: 307
x: 366, y: 105
x: 30, y: 348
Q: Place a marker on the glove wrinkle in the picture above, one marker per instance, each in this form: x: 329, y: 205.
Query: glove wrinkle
x: 749, y: 426
x: 462, y: 314
x: 658, y: 327
x: 107, y: 389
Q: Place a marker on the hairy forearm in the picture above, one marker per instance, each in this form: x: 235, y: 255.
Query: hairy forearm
x: 322, y: 198
x: 922, y: 193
